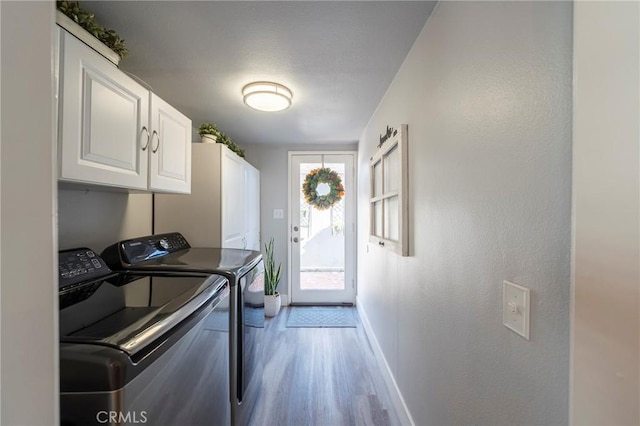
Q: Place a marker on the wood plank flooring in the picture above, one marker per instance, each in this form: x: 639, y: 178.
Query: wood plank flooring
x: 320, y: 377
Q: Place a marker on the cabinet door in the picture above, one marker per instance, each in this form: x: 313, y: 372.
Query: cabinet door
x: 104, y: 120
x: 170, y: 146
x: 233, y: 200
x: 252, y: 207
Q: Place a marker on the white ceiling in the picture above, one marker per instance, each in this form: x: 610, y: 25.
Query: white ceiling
x: 338, y: 58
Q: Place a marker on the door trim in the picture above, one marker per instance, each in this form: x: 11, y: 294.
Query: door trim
x: 354, y: 241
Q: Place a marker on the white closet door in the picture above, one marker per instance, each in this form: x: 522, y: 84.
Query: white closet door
x: 233, y: 200
x: 252, y: 210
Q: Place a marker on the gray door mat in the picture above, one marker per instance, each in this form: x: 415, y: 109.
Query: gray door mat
x: 321, y: 317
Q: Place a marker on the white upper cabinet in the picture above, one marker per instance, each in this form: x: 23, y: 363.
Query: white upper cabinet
x: 115, y: 132
x: 104, y: 120
x: 170, y: 146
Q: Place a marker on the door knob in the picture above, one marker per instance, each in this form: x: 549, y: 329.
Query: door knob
x: 295, y: 239
x: 295, y: 228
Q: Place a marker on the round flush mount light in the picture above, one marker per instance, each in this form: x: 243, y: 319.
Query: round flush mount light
x: 266, y: 96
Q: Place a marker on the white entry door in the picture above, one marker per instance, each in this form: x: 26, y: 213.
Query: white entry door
x: 322, y: 240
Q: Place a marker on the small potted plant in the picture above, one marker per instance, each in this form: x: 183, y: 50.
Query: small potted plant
x: 272, y: 300
x: 208, y: 132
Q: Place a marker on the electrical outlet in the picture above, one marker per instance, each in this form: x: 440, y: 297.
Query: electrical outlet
x: 516, y: 308
x: 278, y: 214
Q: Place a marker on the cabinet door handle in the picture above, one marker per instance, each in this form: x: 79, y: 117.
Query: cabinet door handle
x: 144, y: 129
x: 157, y: 146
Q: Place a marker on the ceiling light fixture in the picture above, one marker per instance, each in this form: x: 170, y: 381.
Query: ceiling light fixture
x: 266, y: 96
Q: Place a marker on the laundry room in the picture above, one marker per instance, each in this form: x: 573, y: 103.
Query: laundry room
x: 324, y: 213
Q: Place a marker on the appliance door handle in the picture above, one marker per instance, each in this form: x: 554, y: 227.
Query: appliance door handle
x: 136, y: 341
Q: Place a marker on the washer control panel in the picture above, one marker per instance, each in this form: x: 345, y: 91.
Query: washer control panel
x: 80, y: 273
x: 141, y: 249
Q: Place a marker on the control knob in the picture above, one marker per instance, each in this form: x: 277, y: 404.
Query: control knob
x: 163, y: 244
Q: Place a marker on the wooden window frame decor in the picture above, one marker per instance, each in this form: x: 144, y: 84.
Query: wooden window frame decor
x: 389, y: 201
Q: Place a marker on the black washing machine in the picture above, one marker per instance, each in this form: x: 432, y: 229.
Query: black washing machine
x: 162, y: 362
x: 169, y: 255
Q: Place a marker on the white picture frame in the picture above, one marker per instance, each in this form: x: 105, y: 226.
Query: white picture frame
x: 388, y: 202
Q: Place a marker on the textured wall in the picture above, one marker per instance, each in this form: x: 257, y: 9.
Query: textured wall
x: 486, y: 92
x: 272, y: 161
x: 606, y: 321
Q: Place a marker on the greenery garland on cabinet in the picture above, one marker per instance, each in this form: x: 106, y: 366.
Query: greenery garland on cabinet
x: 88, y: 21
x: 221, y: 137
x: 317, y: 177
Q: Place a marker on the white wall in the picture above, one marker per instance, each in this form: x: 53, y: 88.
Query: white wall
x: 272, y: 161
x: 28, y: 243
x: 486, y: 92
x: 606, y: 190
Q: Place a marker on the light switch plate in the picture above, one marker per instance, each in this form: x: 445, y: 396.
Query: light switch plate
x: 278, y: 214
x: 516, y: 308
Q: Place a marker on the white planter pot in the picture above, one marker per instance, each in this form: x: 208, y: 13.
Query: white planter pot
x: 272, y: 305
x: 208, y: 138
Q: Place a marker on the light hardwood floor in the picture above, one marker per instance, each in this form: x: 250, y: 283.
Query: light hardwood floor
x: 320, y: 377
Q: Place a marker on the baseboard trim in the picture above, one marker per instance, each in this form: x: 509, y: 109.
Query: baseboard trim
x: 346, y: 305
x: 284, y: 299
x: 396, y: 396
